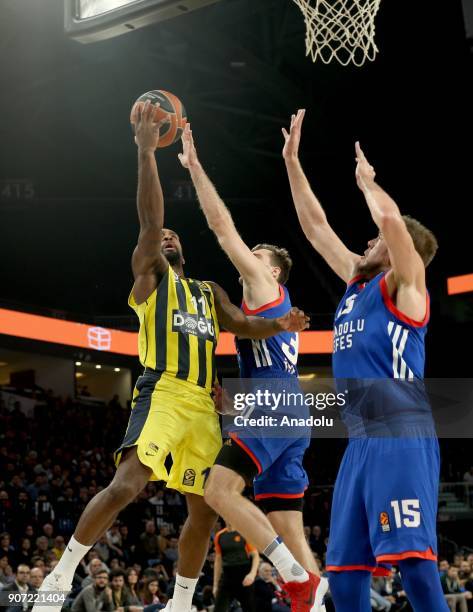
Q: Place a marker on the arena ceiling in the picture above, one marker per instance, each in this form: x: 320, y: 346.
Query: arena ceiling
x: 240, y: 68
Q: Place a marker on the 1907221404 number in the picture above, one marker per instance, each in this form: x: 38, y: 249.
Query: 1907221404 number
x: 51, y: 598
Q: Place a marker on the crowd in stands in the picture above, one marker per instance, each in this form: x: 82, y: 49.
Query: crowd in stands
x: 51, y: 465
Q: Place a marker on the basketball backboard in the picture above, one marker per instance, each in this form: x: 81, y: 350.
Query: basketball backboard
x: 93, y: 20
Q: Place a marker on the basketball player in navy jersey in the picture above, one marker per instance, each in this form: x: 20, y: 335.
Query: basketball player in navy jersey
x: 385, y: 499
x: 272, y: 465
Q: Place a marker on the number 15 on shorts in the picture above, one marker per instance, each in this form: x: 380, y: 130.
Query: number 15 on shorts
x: 406, y: 512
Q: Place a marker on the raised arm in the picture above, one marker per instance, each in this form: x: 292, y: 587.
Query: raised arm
x: 148, y: 263
x: 408, y: 270
x: 311, y: 215
x: 253, y: 271
x: 235, y: 321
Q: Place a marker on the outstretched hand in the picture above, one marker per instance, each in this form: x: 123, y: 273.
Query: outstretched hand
x: 365, y: 173
x: 146, y: 128
x: 293, y: 138
x: 294, y: 321
x: 188, y: 157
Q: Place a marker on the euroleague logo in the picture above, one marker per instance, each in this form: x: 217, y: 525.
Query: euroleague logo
x: 384, y: 521
x: 187, y: 323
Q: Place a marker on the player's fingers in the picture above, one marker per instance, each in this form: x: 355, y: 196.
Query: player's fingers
x: 359, y: 151
x: 163, y: 121
x: 138, y: 111
x: 144, y: 110
x: 284, y: 133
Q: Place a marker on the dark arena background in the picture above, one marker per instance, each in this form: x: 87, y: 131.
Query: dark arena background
x: 68, y: 225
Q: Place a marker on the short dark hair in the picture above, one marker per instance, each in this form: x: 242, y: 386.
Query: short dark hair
x: 280, y: 259
x: 117, y: 572
x: 424, y: 240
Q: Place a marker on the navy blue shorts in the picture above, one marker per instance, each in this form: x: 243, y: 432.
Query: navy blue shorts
x: 385, y: 503
x: 279, y: 463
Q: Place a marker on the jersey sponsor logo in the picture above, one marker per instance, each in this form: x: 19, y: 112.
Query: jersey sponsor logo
x: 152, y: 449
x: 344, y: 332
x: 192, y: 324
x: 384, y: 520
x: 189, y: 478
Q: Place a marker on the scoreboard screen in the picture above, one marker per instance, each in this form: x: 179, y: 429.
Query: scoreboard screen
x: 93, y: 20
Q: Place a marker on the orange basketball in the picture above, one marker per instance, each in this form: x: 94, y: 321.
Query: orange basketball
x: 170, y: 105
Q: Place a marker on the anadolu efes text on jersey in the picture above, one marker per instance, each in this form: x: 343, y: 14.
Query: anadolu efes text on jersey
x: 275, y: 356
x: 372, y: 338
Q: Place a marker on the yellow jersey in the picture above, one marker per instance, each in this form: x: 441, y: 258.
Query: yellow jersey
x: 179, y: 329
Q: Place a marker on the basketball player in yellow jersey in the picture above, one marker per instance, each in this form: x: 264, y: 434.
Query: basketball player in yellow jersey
x: 172, y: 410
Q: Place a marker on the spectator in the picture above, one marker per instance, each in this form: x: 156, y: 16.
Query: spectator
x: 20, y: 583
x: 59, y: 547
x: 39, y: 486
x: 36, y: 577
x: 96, y: 596
x: 48, y: 532
x: 149, y: 543
x: 94, y: 566
x: 121, y: 596
x: 103, y: 549
x: 266, y: 590
x: 23, y: 509
x: 456, y: 599
x: 41, y: 547
x: 4, y: 575
x: 171, y: 553
x: 25, y: 552
x: 6, y: 547
x: 443, y: 566
x: 317, y: 542
x: 468, y: 476
x: 132, y: 584
x: 114, y: 539
x: 163, y: 538
x: 149, y: 593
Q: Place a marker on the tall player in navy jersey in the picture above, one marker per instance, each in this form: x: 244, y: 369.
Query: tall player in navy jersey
x: 385, y: 499
x: 272, y: 465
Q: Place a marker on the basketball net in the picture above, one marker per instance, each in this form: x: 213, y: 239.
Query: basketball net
x: 341, y: 30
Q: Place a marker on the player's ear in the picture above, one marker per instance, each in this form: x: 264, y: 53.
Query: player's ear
x: 276, y: 272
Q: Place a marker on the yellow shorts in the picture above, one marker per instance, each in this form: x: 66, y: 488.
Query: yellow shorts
x: 173, y: 416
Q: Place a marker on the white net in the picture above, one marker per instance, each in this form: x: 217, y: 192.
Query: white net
x: 341, y: 30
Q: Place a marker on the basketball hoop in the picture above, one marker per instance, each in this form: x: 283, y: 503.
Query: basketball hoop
x: 341, y: 30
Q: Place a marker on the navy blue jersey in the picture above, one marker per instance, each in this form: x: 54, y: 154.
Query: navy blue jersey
x: 372, y: 338
x: 276, y: 356
x: 378, y: 358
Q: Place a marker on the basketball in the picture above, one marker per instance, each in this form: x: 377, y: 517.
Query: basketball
x: 169, y: 105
